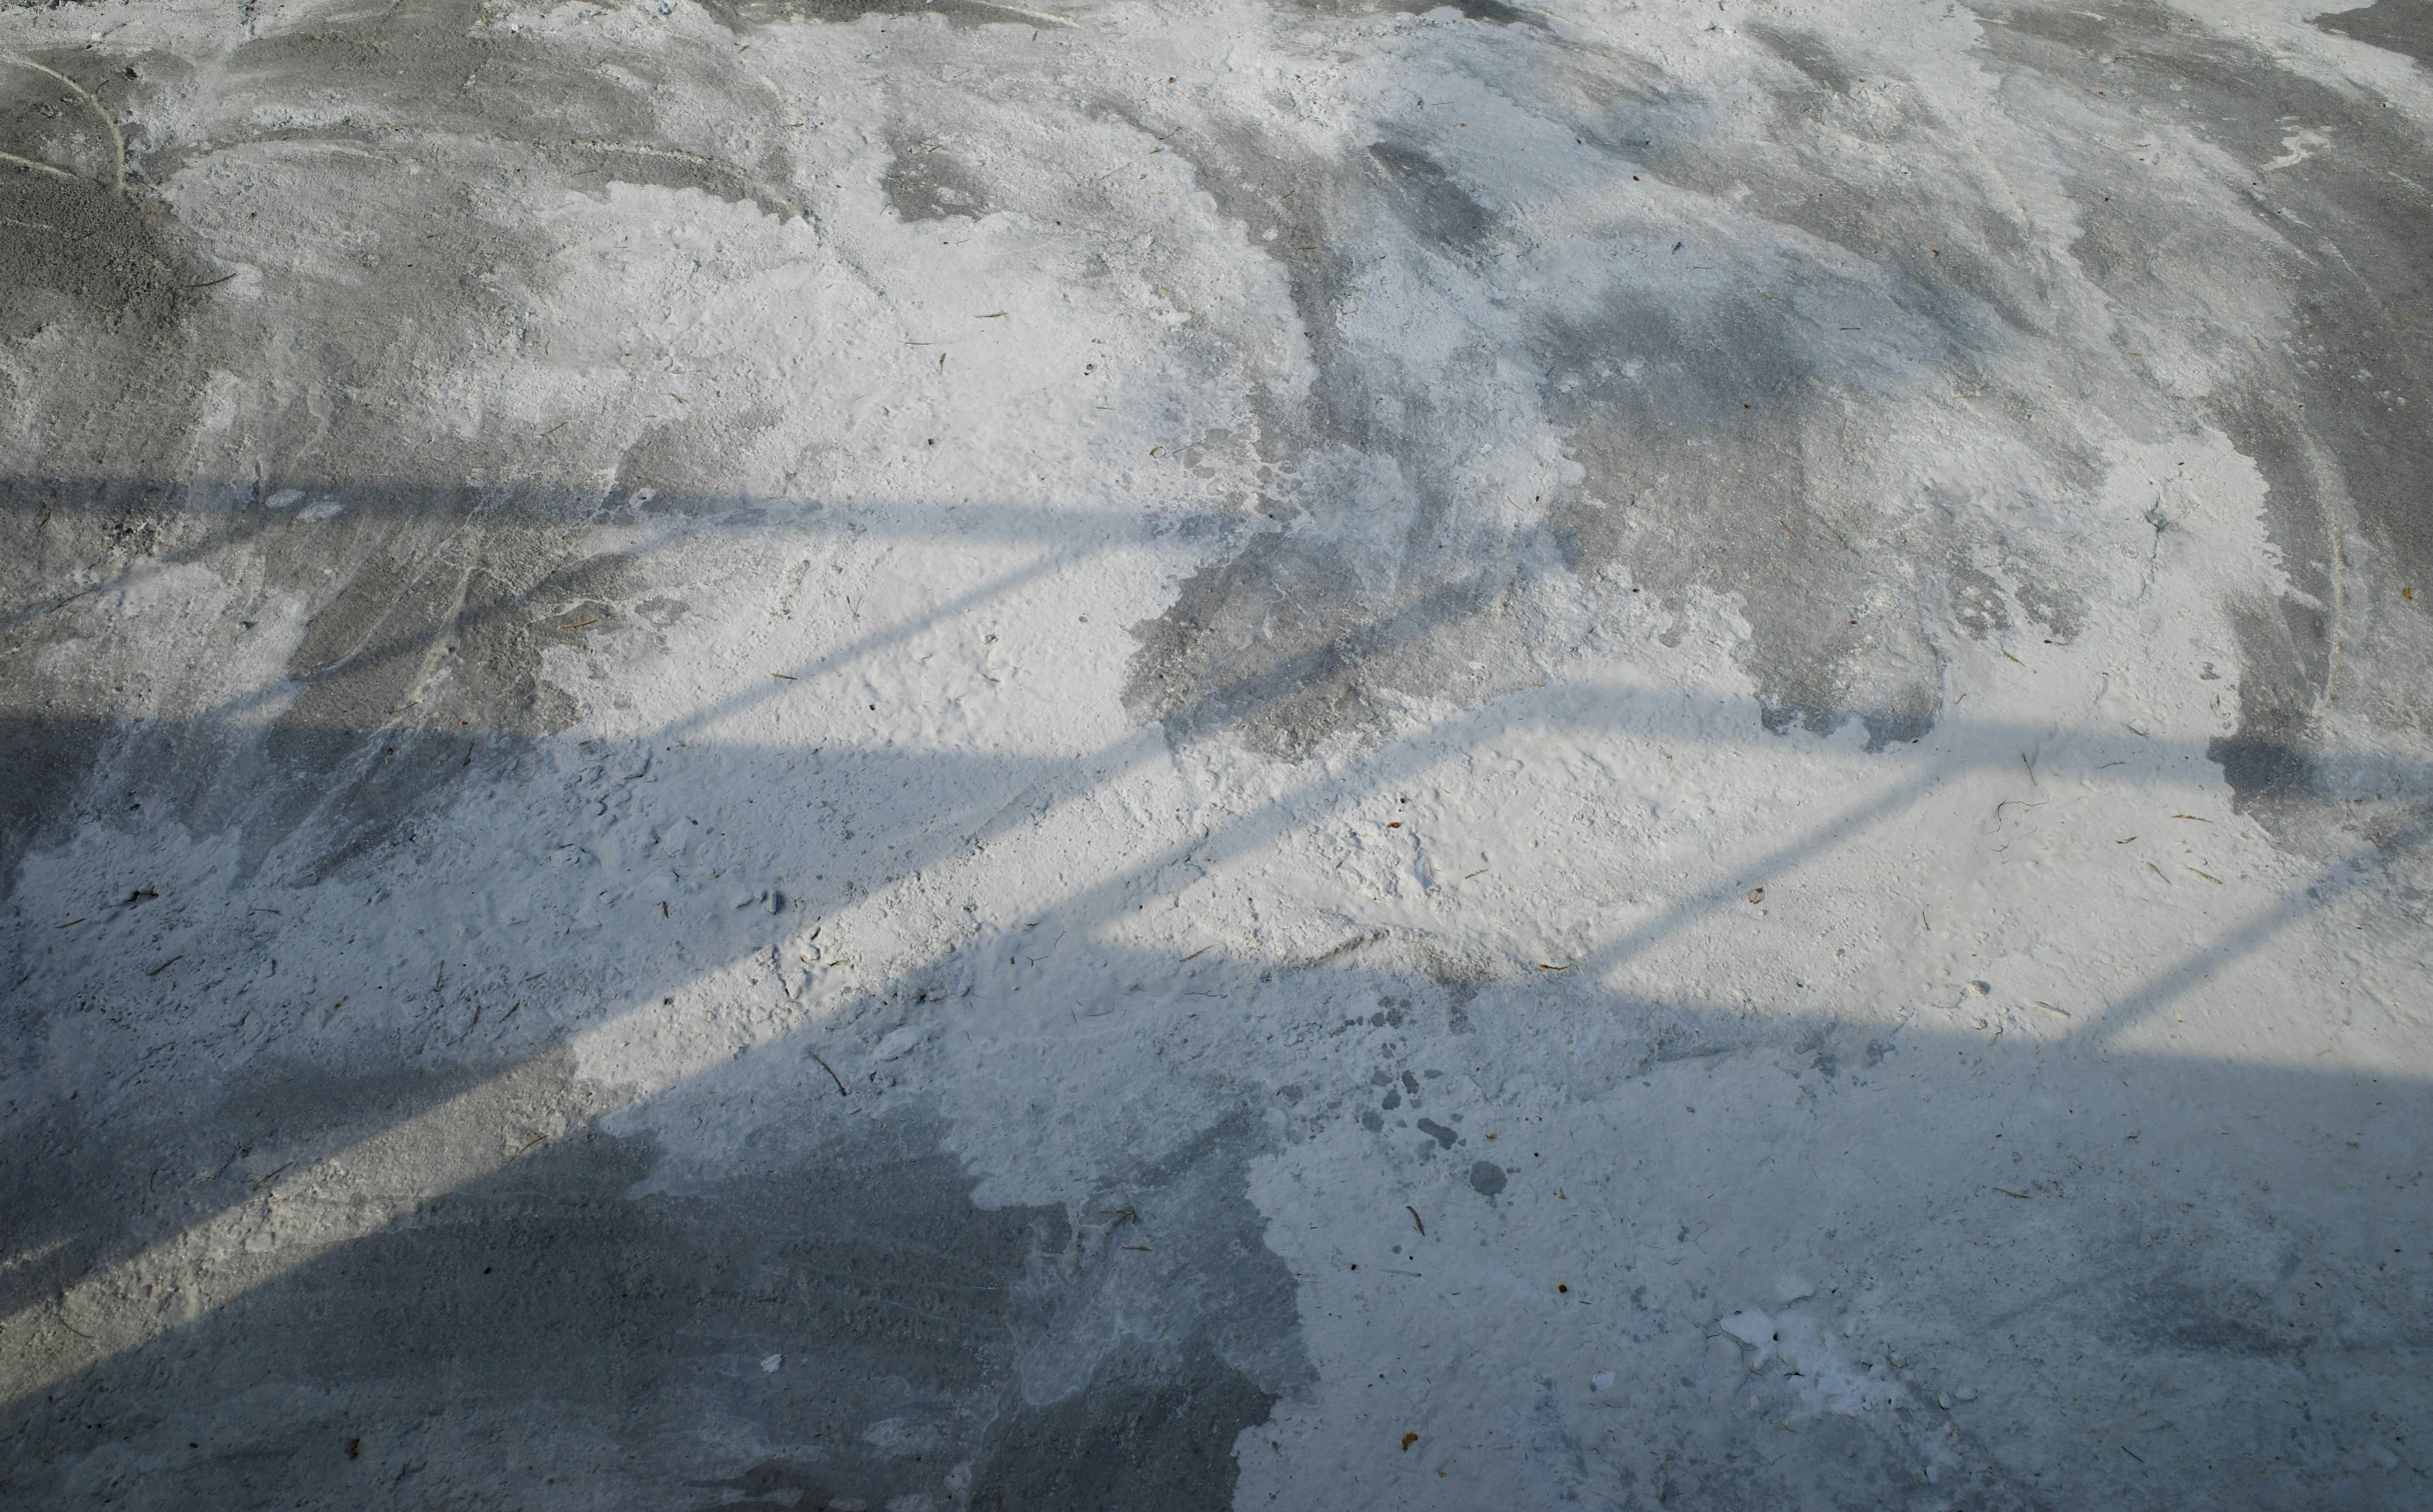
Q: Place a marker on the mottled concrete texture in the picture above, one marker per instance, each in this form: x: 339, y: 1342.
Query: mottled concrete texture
x: 1310, y: 754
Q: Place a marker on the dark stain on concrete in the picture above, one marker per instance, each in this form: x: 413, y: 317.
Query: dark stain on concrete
x: 1699, y: 421
x: 589, y: 1325
x: 1693, y: 419
x: 1494, y: 12
x: 426, y: 614
x: 97, y: 291
x: 2237, y: 1320
x: 1978, y: 605
x: 84, y: 1187
x: 778, y: 1484
x: 1807, y: 53
x: 434, y: 568
x: 926, y: 182
x: 965, y: 13
x: 1430, y: 201
x: 2331, y: 410
x: 1149, y: 1433
x: 1693, y: 429
x: 1276, y: 646
x: 548, y: 1335
x: 2403, y: 26
x: 1179, y: 1330
x: 1305, y: 637
x: 435, y: 67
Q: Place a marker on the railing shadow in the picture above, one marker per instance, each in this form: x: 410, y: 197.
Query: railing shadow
x: 631, y: 1297
x: 489, y: 1238
x: 112, y: 1204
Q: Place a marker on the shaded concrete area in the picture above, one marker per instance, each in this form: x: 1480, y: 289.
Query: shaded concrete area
x: 837, y: 1317
x: 884, y: 755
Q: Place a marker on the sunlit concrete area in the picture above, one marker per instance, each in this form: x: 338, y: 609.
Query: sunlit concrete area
x: 907, y: 756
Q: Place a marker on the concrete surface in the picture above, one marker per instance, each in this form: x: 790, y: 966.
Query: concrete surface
x: 828, y: 754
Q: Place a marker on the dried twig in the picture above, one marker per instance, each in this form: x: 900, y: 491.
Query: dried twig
x: 832, y: 1074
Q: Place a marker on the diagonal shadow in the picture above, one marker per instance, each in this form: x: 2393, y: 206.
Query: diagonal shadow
x: 973, y: 801
x: 575, y: 1282
x: 108, y: 1240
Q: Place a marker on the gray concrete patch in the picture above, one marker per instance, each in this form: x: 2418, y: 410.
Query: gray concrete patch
x: 550, y: 1332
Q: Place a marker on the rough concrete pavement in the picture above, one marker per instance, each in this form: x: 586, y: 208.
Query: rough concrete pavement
x: 802, y: 753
